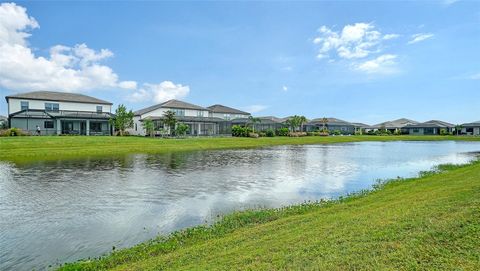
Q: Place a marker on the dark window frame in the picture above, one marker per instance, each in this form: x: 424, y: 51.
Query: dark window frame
x: 24, y: 105
x: 52, y: 107
x: 101, y: 109
x: 50, y: 126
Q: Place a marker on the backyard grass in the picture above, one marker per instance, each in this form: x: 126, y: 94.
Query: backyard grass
x: 426, y: 223
x: 19, y: 149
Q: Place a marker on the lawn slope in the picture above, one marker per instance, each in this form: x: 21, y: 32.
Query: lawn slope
x: 25, y: 149
x: 427, y: 223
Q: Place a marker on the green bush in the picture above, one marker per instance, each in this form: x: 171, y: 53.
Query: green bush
x: 262, y: 134
x: 240, y: 131
x: 444, y: 132
x: 337, y: 132
x: 270, y: 133
x: 282, y: 132
x: 13, y: 132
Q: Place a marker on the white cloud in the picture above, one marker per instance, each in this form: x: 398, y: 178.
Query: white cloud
x: 384, y: 64
x: 391, y: 36
x: 255, y: 108
x: 354, y: 41
x: 449, y: 2
x: 71, y: 69
x: 285, y: 88
x: 475, y: 76
x: 162, y: 92
x: 420, y: 37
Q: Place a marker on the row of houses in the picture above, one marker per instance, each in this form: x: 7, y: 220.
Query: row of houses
x: 68, y: 113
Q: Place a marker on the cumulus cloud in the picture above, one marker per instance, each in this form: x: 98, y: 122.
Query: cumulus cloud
x: 475, y: 76
x: 352, y: 42
x: 72, y: 69
x: 255, y: 108
x: 384, y: 64
x: 420, y: 37
x: 162, y: 92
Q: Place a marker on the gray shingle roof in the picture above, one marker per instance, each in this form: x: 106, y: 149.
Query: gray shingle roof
x: 169, y: 104
x: 431, y: 124
x: 393, y: 124
x: 331, y: 121
x: 361, y: 125
x: 58, y: 96
x: 218, y: 108
x: 472, y: 124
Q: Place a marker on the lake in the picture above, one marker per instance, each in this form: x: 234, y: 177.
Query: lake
x: 53, y: 212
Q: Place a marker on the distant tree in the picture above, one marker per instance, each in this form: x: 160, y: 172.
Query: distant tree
x: 149, y: 127
x: 169, y: 120
x: 296, y: 122
x: 123, y: 119
x: 324, y: 123
x: 302, y: 120
x: 458, y: 128
x: 253, y: 121
x: 181, y: 129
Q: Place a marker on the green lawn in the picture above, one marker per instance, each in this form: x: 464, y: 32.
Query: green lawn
x: 427, y: 223
x: 32, y: 148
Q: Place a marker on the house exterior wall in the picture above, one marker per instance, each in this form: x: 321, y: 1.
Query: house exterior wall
x: 227, y: 116
x: 137, y: 128
x: 14, y: 105
x: 160, y: 111
x: 29, y: 125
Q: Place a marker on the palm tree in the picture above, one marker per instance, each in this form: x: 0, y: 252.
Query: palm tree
x: 324, y: 123
x: 169, y: 120
x: 458, y: 127
x: 253, y: 120
x: 302, y: 120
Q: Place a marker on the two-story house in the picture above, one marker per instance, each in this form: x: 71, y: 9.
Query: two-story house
x: 59, y: 113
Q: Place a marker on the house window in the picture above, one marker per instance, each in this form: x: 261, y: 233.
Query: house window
x: 95, y: 127
x: 24, y: 105
x: 199, y: 113
x: 99, y: 109
x: 416, y: 130
x: 179, y: 112
x: 52, y: 107
x: 135, y: 126
x: 226, y: 116
x: 48, y: 124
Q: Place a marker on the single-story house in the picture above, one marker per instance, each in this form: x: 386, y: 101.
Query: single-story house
x: 52, y: 112
x: 394, y: 126
x: 202, y: 121
x: 331, y: 124
x: 361, y: 128
x: 265, y: 123
x: 472, y: 128
x: 432, y: 127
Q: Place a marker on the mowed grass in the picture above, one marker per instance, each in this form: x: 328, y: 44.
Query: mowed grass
x: 426, y: 223
x: 60, y: 147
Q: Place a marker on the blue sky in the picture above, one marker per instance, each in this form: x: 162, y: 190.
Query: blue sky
x: 358, y: 61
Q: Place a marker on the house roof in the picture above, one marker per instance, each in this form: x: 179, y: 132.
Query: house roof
x: 330, y: 121
x: 169, y: 104
x: 431, y: 124
x: 192, y: 119
x: 361, y: 125
x: 472, y: 124
x: 218, y: 108
x: 58, y: 97
x: 398, y: 123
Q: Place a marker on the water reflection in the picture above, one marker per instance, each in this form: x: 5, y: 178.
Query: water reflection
x: 65, y: 210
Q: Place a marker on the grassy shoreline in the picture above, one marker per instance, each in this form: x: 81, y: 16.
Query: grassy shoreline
x: 429, y: 222
x: 26, y: 149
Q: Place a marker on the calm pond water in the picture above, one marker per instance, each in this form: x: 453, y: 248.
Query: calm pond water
x: 53, y: 212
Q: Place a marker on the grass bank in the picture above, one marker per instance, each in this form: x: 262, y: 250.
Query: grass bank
x: 20, y: 149
x: 426, y: 223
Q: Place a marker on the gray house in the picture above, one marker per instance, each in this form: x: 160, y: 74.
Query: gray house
x: 225, y: 112
x: 395, y: 125
x: 362, y: 128
x: 472, y: 128
x: 55, y: 113
x: 432, y: 127
x: 331, y: 124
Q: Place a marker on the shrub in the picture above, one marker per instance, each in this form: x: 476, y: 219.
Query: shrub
x: 297, y: 134
x: 262, y: 134
x: 337, y: 132
x: 13, y: 132
x: 282, y: 132
x: 270, y: 133
x: 253, y: 135
x: 444, y: 132
x: 240, y: 131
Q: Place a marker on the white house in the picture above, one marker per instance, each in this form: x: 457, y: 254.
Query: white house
x: 59, y: 113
